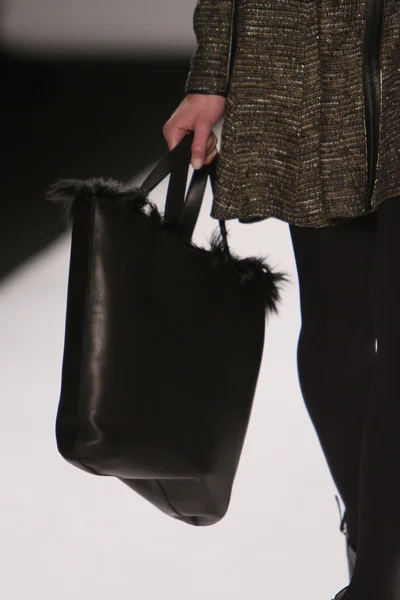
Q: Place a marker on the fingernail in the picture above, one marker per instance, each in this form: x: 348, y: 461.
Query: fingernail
x: 197, y: 163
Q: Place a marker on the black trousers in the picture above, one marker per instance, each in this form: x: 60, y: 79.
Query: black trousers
x: 349, y: 373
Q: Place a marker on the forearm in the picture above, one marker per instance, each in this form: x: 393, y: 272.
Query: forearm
x: 209, y: 66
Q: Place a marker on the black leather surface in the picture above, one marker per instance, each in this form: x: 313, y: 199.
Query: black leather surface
x: 163, y: 346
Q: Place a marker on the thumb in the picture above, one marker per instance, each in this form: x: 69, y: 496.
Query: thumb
x: 199, y: 145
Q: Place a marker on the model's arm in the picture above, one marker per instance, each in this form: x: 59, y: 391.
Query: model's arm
x: 210, y: 61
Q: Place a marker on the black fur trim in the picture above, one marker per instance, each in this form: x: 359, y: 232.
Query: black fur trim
x: 69, y: 192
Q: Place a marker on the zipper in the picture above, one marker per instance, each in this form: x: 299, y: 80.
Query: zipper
x: 372, y: 82
x: 232, y: 43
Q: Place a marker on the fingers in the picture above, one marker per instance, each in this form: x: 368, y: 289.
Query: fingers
x: 204, y: 146
x: 211, y: 149
x: 211, y: 142
x: 210, y: 157
x: 197, y: 113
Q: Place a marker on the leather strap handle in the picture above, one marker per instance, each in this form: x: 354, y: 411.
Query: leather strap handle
x: 177, y: 207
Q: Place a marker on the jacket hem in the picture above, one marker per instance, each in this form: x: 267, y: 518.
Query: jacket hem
x: 304, y: 220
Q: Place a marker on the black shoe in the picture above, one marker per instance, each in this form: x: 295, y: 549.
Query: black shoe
x: 340, y: 594
x: 351, y: 555
x: 351, y: 552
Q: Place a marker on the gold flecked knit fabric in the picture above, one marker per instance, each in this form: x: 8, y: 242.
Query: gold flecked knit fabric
x: 293, y: 141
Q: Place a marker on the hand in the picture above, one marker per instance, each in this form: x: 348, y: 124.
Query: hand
x: 198, y: 113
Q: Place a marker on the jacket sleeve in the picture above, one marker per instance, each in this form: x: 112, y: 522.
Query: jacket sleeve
x: 209, y: 64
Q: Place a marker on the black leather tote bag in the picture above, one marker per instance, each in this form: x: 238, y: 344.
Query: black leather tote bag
x: 163, y: 341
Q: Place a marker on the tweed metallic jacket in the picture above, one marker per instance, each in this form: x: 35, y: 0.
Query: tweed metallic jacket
x: 311, y: 128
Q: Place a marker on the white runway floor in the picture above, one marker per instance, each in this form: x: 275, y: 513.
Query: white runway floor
x: 67, y: 535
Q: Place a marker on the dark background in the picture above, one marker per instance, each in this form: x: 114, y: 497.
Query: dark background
x: 75, y: 118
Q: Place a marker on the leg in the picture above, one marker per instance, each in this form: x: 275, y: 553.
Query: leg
x: 378, y: 553
x: 336, y: 348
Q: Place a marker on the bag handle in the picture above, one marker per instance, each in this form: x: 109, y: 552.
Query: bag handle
x: 175, y: 163
x: 179, y: 209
